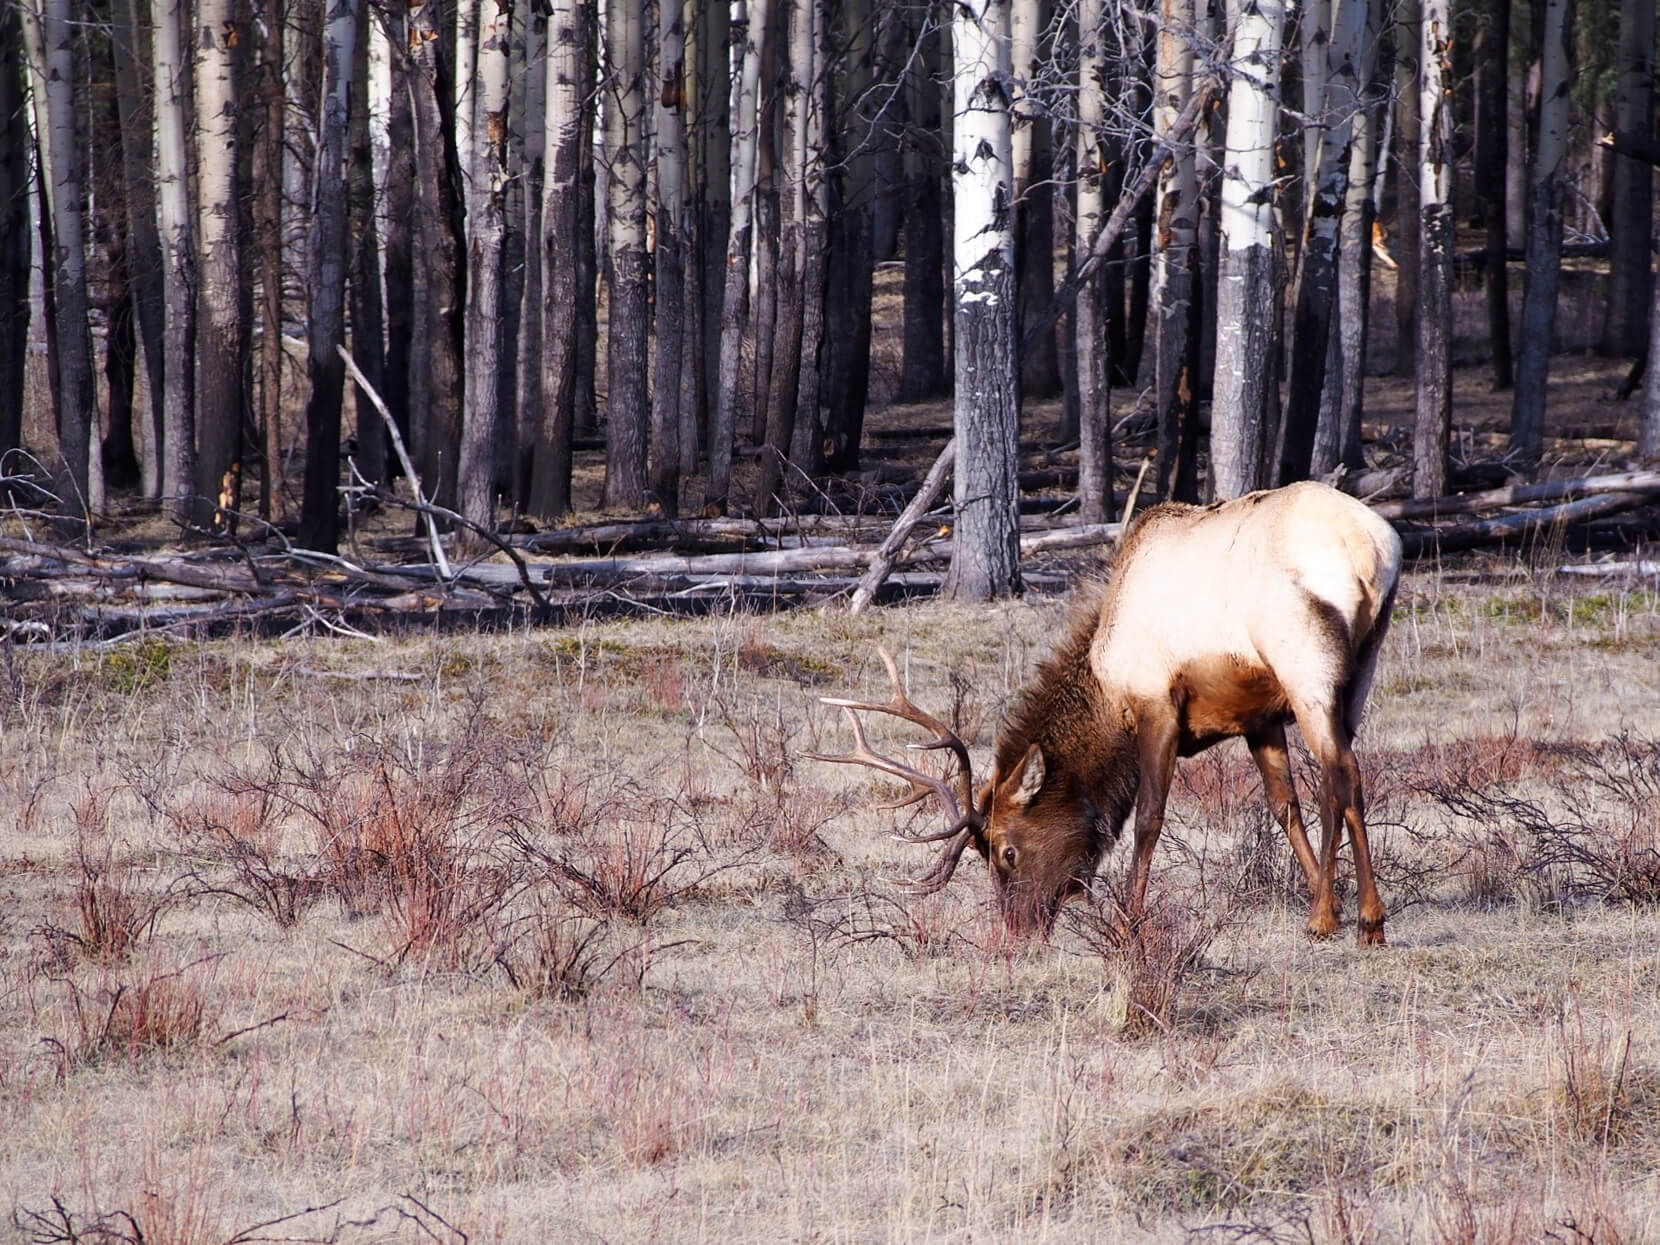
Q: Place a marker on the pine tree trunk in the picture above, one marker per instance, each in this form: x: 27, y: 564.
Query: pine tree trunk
x: 1175, y: 255
x: 807, y: 438
x: 108, y: 203
x: 14, y: 231
x: 923, y: 375
x: 1243, y: 392
x: 763, y: 318
x: 672, y: 251
x: 144, y: 243
x: 628, y: 404
x: 487, y: 232
x: 1090, y: 345
x: 985, y: 560
x: 590, y: 222
x: 326, y: 283
x: 735, y: 302
x: 1433, y: 418
x: 79, y: 483
x: 367, y: 319
x: 1625, y: 331
x: 1033, y: 193
x: 713, y: 205
x: 1331, y: 55
x: 1492, y: 138
x: 1408, y: 142
x: 550, y: 479
x: 178, y: 268
x: 219, y: 333
x: 267, y: 209
x: 1548, y: 187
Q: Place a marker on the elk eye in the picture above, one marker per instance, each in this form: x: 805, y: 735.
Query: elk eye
x: 1008, y: 857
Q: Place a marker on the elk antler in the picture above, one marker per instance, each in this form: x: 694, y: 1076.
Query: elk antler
x: 965, y: 818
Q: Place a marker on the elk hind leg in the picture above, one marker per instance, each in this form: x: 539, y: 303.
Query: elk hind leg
x: 1342, y: 807
x: 1268, y: 750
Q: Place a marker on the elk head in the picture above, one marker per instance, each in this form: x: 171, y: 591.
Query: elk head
x: 1035, y: 830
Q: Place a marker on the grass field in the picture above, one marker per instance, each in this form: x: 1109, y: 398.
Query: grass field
x: 555, y: 936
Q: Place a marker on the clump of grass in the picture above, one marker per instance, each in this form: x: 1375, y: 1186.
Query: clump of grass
x: 136, y: 667
x: 145, y: 1010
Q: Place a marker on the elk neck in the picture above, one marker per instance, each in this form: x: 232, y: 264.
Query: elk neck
x: 1083, y: 728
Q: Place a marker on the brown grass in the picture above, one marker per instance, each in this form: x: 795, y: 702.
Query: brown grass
x: 567, y: 941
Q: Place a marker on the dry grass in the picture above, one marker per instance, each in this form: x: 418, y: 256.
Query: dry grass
x: 566, y: 942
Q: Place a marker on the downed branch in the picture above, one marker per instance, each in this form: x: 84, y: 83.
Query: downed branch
x: 1644, y: 482
x: 1517, y: 526
x: 887, y: 553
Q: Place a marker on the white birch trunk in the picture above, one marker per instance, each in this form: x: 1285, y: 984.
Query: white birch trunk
x: 178, y: 252
x: 1433, y: 419
x: 985, y: 561
x: 80, y: 485
x: 219, y: 338
x: 486, y: 232
x: 1090, y: 318
x: 735, y: 306
x: 463, y: 83
x: 1245, y: 277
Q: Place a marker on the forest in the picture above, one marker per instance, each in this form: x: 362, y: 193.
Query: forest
x: 657, y: 231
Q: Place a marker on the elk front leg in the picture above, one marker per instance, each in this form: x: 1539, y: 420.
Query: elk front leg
x: 1156, y: 740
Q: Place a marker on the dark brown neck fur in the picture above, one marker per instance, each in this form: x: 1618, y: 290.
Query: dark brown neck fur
x: 1083, y: 732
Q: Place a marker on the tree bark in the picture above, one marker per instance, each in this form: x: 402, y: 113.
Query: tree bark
x: 14, y: 231
x: 985, y: 562
x: 923, y: 373
x: 672, y: 251
x: 268, y: 246
x: 1625, y: 331
x: 712, y: 133
x: 1175, y: 254
x: 398, y: 198
x: 1240, y: 418
x: 138, y: 168
x: 1433, y: 417
x: 220, y: 399
x: 326, y: 315
x: 178, y: 247
x: 487, y: 233
x: 364, y: 282
x: 79, y: 482
x: 527, y: 373
x: 1034, y: 198
x: 1547, y: 190
x: 1090, y: 344
x: 807, y: 440
x: 550, y: 480
x: 1492, y: 139
x: 628, y: 407
x: 1332, y: 56
x: 1408, y: 160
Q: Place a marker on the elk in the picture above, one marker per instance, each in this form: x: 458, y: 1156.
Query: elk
x: 1235, y: 618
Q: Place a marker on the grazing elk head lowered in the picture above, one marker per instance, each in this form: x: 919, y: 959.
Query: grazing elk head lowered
x: 1231, y: 619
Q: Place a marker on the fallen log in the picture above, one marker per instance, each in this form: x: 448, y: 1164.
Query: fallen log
x: 887, y: 553
x: 1431, y: 541
x: 1645, y: 482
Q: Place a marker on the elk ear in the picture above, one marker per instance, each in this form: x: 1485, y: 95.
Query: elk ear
x: 1029, y: 776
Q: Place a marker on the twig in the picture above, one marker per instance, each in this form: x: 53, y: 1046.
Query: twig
x: 887, y: 553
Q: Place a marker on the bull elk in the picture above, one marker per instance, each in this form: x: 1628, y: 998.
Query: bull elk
x: 1230, y: 619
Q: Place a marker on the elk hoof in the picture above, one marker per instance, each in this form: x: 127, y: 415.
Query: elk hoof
x: 1370, y: 934
x: 1322, y: 925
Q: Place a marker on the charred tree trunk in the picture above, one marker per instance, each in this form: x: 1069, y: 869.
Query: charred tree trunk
x: 985, y: 560
x: 326, y: 315
x: 1243, y: 392
x: 672, y: 250
x: 1433, y: 419
x: 1625, y: 331
x: 527, y: 373
x: 267, y: 209
x: 712, y: 208
x: 119, y: 452
x: 14, y: 231
x: 1408, y: 161
x: 1034, y: 162
x: 923, y: 373
x: 1547, y: 188
x: 1492, y: 140
x: 398, y: 195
